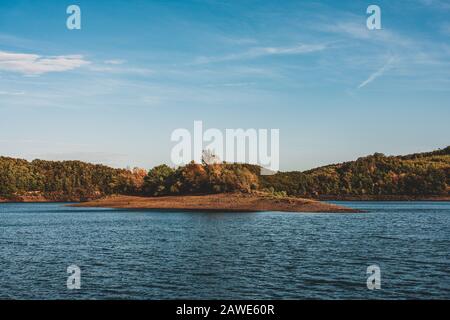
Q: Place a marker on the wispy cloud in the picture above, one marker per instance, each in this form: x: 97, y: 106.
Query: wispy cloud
x: 258, y: 52
x: 10, y: 93
x: 377, y: 73
x: 239, y: 41
x: 440, y: 4
x: 231, y: 84
x: 416, y: 58
x: 15, y: 41
x: 114, y: 69
x: 359, y: 31
x: 115, y: 61
x: 33, y: 64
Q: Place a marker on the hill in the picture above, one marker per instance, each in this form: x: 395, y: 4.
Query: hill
x: 38, y: 180
x: 414, y: 176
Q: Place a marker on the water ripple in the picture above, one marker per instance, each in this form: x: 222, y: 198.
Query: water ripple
x: 127, y: 254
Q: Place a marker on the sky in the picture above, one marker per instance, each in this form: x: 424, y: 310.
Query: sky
x: 114, y: 91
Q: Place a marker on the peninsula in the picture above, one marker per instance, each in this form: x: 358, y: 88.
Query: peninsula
x: 222, y: 202
x: 229, y: 186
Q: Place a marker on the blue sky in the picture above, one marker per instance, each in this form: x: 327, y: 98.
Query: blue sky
x: 114, y: 91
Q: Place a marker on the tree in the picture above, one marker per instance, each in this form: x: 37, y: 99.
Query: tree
x: 157, y: 180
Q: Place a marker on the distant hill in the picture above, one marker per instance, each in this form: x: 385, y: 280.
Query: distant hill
x: 377, y: 176
x: 415, y: 176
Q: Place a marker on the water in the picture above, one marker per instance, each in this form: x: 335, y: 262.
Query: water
x: 129, y: 254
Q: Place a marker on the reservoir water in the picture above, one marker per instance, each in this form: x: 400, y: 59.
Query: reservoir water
x: 132, y: 254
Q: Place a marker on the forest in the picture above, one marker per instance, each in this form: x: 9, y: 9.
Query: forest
x: 65, y: 180
x: 421, y: 174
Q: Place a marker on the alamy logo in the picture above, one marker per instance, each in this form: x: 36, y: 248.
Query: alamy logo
x: 74, y: 279
x: 374, y: 20
x: 74, y: 20
x: 374, y: 279
x: 237, y: 145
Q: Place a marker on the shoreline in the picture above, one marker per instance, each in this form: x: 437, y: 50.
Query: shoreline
x: 42, y: 199
x: 384, y: 198
x: 222, y: 202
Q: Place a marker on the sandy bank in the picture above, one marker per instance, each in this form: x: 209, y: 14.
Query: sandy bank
x: 235, y: 202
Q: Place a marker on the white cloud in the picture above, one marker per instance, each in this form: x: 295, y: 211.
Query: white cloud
x: 33, y: 64
x: 114, y: 61
x: 377, y: 73
x: 265, y: 51
x: 122, y: 70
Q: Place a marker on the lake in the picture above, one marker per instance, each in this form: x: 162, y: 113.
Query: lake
x: 132, y: 254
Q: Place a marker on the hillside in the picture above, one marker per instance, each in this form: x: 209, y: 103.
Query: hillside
x: 415, y: 176
x: 419, y: 175
x: 40, y: 181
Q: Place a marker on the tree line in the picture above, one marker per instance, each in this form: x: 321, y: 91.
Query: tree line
x: 421, y: 174
x: 66, y: 180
